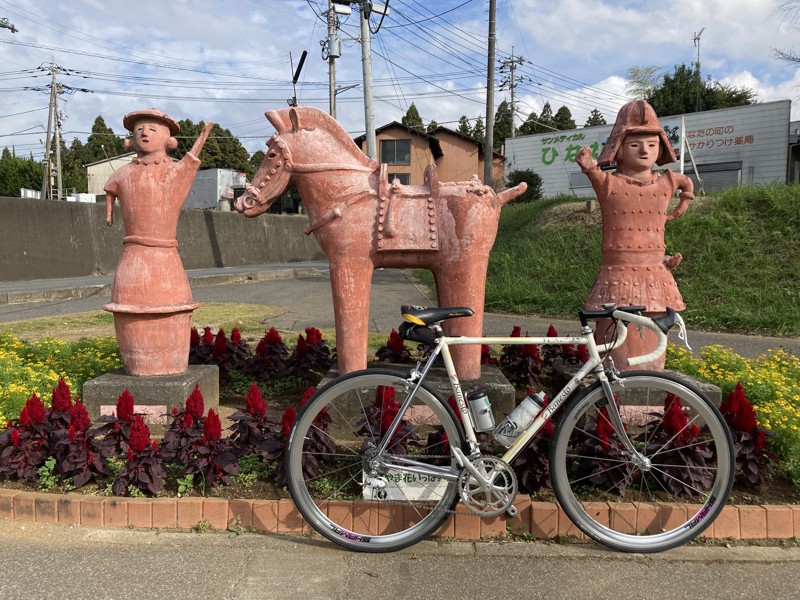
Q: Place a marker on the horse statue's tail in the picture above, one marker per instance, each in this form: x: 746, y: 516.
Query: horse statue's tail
x: 508, y: 195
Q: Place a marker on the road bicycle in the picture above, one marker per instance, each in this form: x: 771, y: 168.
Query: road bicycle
x: 377, y: 461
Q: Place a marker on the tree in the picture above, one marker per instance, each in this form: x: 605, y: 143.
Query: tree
x: 642, y: 81
x: 412, y: 119
x: 546, y: 118
x: 531, y: 125
x: 595, y: 118
x: 685, y: 91
x: 534, y: 181
x: 255, y: 162
x: 479, y: 131
x: 503, y: 123
x: 463, y: 126
x: 432, y: 126
x: 102, y: 143
x: 791, y: 15
x: 17, y: 173
x: 563, y: 119
x: 221, y: 151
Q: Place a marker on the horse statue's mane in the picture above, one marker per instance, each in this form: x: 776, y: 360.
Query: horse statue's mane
x: 310, y: 118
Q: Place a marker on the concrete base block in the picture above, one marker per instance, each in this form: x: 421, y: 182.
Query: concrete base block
x: 501, y: 393
x: 153, y: 396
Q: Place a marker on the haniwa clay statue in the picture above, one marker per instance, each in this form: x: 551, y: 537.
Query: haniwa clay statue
x: 362, y: 221
x: 151, y: 298
x: 634, y: 203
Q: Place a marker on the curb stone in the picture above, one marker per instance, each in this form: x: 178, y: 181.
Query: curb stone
x: 536, y: 520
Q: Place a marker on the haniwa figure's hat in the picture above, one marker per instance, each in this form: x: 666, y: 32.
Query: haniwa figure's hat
x: 636, y: 117
x: 130, y: 119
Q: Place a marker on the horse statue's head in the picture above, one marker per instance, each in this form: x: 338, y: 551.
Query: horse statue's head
x: 305, y: 140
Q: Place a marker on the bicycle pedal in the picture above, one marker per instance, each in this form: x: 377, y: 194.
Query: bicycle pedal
x: 512, y: 510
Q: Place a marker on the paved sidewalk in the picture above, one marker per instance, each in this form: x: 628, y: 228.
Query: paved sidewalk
x: 302, y: 291
x: 57, y: 561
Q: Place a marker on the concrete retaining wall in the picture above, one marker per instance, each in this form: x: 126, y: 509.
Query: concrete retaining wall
x: 45, y: 239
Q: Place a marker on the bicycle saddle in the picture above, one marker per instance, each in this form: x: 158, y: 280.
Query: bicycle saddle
x: 423, y: 315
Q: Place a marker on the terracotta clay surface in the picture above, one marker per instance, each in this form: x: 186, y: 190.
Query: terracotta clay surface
x: 634, y: 203
x: 362, y: 222
x: 151, y: 298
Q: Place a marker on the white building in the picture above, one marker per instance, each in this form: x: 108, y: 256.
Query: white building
x: 731, y: 146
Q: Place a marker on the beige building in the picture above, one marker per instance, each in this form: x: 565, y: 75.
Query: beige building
x: 407, y: 152
x: 98, y: 173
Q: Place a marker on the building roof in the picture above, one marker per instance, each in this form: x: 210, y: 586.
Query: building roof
x: 433, y: 141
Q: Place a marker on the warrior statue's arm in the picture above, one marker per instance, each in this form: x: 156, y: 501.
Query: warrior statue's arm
x: 686, y: 186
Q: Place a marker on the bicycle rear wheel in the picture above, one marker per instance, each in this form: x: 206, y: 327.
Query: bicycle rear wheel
x: 667, y: 494
x: 331, y: 455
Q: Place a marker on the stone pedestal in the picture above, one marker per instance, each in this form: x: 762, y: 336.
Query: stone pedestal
x: 501, y: 393
x: 153, y: 396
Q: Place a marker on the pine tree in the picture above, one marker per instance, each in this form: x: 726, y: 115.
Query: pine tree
x: 479, y: 131
x: 531, y: 125
x: 412, y: 119
x: 463, y: 125
x: 503, y: 122
x: 563, y: 120
x: 595, y: 118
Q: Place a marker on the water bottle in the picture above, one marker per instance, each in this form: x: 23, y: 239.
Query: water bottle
x: 522, y: 416
x: 481, y: 409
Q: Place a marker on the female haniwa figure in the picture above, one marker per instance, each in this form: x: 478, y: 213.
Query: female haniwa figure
x: 151, y: 298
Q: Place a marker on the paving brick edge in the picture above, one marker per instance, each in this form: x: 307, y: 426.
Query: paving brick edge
x: 537, y: 520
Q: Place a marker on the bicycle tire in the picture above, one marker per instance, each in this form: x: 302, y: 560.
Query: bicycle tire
x: 676, y: 496
x: 330, y: 442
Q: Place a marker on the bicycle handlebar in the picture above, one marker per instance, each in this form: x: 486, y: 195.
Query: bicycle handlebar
x: 659, y: 325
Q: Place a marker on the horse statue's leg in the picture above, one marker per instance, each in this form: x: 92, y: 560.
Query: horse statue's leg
x: 463, y: 285
x: 350, y: 286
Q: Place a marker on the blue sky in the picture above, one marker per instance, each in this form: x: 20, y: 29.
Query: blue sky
x: 230, y: 61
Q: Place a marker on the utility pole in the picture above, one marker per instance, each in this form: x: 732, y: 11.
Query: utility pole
x: 509, y: 65
x: 488, y: 146
x: 47, y: 186
x: 4, y: 24
x: 366, y: 67
x: 332, y: 49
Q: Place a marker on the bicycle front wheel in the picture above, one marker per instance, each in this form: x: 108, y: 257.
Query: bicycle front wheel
x: 666, y: 492
x: 347, y: 491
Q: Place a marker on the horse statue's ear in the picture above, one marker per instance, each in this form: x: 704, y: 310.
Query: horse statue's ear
x: 293, y: 117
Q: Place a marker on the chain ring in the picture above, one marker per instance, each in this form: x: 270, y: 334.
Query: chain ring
x: 500, y: 493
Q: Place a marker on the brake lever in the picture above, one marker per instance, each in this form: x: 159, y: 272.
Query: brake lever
x: 683, y: 335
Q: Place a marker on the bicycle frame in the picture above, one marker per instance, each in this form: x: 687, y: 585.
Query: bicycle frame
x: 442, y: 347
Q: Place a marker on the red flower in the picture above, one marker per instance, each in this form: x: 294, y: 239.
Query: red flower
x: 307, y: 395
x: 220, y: 348
x: 208, y: 337
x: 395, y: 343
x: 34, y: 412
x: 262, y: 347
x: 194, y: 337
x: 551, y: 332
x: 385, y: 399
x: 582, y: 352
x: 272, y: 337
x: 212, y: 428
x: 140, y: 436
x: 236, y: 336
x: 516, y: 331
x: 62, y: 397
x: 254, y: 402
x: 531, y: 350
x: 676, y: 421
x: 15, y: 437
x: 194, y: 403
x: 738, y: 411
x: 761, y: 438
x: 604, y: 427
x: 79, y: 416
x: 302, y: 347
x: 486, y: 354
x: 187, y: 420
x: 313, y: 335
x: 289, y: 415
x: 125, y: 406
x: 454, y: 405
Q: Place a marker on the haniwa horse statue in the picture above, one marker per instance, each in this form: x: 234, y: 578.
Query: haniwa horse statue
x: 362, y: 221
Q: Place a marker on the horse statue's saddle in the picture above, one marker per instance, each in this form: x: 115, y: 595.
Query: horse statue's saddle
x: 408, y: 218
